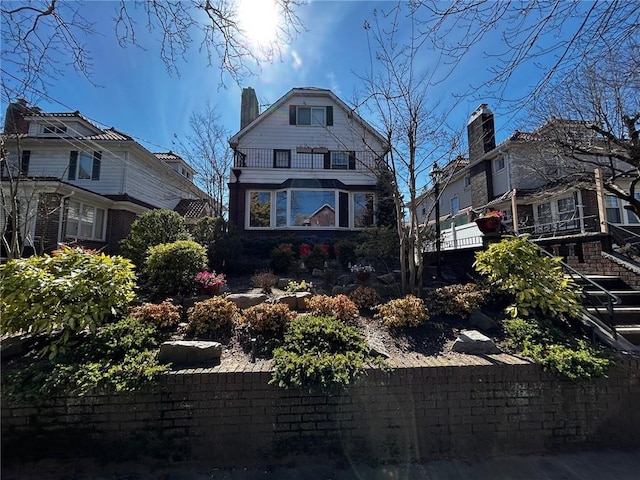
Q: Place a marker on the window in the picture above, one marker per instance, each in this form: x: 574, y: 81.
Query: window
x: 15, y: 169
x: 297, y: 208
x: 85, y: 221
x: 455, y: 205
x: 631, y: 217
x: 362, y: 210
x: 84, y: 165
x: 54, y: 129
x: 467, y: 182
x: 339, y: 160
x: 260, y: 210
x: 310, y: 116
x: 313, y: 208
x: 544, y: 222
x: 613, y: 209
x: 282, y: 159
x: 567, y: 213
x: 498, y: 164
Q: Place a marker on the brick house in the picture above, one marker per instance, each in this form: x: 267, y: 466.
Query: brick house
x: 306, y: 165
x: 78, y: 183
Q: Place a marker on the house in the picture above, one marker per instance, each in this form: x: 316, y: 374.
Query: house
x: 525, y: 179
x: 78, y: 183
x: 306, y: 165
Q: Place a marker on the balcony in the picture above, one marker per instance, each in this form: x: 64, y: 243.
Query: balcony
x: 305, y: 159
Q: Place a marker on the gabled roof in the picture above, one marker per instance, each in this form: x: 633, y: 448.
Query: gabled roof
x: 35, y: 114
x: 308, y: 92
x: 193, y: 208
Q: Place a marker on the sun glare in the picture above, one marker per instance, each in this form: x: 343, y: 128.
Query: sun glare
x: 259, y: 20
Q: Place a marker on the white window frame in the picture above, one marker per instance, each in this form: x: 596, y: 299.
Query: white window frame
x: 82, y: 208
x: 313, y: 111
x: 499, y: 164
x: 59, y: 129
x: 339, y: 160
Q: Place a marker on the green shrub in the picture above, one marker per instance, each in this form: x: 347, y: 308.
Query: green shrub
x: 535, y: 281
x: 153, y: 228
x: 409, y: 311
x: 380, y: 244
x: 224, y: 248
x: 162, y: 315
x: 345, y: 251
x: 211, y: 316
x: 365, y: 297
x: 316, y: 258
x: 70, y: 291
x: 171, y: 268
x: 267, y: 318
x: 119, y: 357
x: 460, y: 300
x: 339, y: 307
x: 294, y: 286
x: 282, y: 258
x: 555, y: 349
x: 319, y: 354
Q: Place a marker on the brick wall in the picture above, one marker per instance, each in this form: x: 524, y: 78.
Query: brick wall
x: 232, y: 416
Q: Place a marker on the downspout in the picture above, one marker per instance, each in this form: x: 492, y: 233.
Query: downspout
x: 60, y: 220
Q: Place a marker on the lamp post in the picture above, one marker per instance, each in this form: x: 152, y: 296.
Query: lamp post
x: 436, y: 175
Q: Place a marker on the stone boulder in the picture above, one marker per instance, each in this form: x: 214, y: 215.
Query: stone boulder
x: 302, y: 300
x: 290, y: 300
x: 182, y: 352
x: 246, y: 300
x: 474, y: 342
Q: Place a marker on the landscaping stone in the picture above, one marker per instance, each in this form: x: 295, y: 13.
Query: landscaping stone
x: 246, y: 300
x: 474, y: 342
x: 185, y: 351
x: 283, y: 283
x: 290, y: 300
x: 302, y: 300
x: 482, y: 321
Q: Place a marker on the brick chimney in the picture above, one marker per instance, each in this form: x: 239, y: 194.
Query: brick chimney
x: 481, y: 133
x: 248, y: 107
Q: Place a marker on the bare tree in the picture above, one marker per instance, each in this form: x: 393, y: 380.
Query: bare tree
x: 42, y: 38
x: 399, y: 96
x: 554, y: 36
x: 207, y: 149
x: 592, y: 119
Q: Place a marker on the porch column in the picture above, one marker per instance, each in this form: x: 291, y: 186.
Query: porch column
x: 600, y: 197
x: 514, y: 211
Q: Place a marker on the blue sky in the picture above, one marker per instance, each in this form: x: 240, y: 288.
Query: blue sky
x: 136, y: 94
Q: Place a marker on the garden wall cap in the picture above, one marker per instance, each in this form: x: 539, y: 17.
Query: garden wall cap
x: 474, y: 342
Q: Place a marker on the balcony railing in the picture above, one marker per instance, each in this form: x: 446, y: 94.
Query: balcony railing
x: 305, y: 158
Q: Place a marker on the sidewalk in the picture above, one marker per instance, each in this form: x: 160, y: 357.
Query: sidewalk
x: 618, y: 465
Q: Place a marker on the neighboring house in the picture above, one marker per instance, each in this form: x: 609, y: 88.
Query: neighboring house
x: 523, y: 178
x: 78, y: 183
x: 305, y: 165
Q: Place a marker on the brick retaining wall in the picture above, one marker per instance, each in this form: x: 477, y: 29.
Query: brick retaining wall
x: 229, y: 415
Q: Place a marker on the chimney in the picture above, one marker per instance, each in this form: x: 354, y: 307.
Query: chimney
x: 248, y: 107
x: 480, y: 133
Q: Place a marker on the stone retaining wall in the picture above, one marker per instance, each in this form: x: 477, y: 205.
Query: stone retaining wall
x: 230, y: 415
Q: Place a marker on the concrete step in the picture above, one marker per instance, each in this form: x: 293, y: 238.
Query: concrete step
x: 622, y: 315
x: 630, y: 332
x: 628, y: 297
x: 605, y: 281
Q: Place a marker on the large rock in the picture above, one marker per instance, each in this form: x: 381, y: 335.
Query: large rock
x: 290, y: 300
x: 302, y: 300
x: 246, y: 300
x: 283, y: 283
x: 184, y: 351
x: 474, y: 342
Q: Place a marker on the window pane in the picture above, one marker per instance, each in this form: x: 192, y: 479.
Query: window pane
x: 317, y: 116
x: 85, y: 166
x: 313, y: 208
x: 631, y: 217
x: 73, y: 217
x: 343, y: 208
x: 86, y: 222
x: 362, y: 210
x: 281, y: 209
x: 544, y: 217
x: 613, y: 210
x: 282, y: 158
x: 304, y: 116
x: 454, y: 205
x: 260, y: 209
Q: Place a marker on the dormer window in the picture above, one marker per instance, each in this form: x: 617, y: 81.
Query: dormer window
x: 54, y: 129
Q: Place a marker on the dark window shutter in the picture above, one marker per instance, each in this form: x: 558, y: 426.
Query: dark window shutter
x: 352, y: 160
x: 327, y: 160
x: 292, y: 114
x: 343, y: 209
x: 97, y: 160
x: 329, y: 116
x: 73, y: 165
x: 24, y: 164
